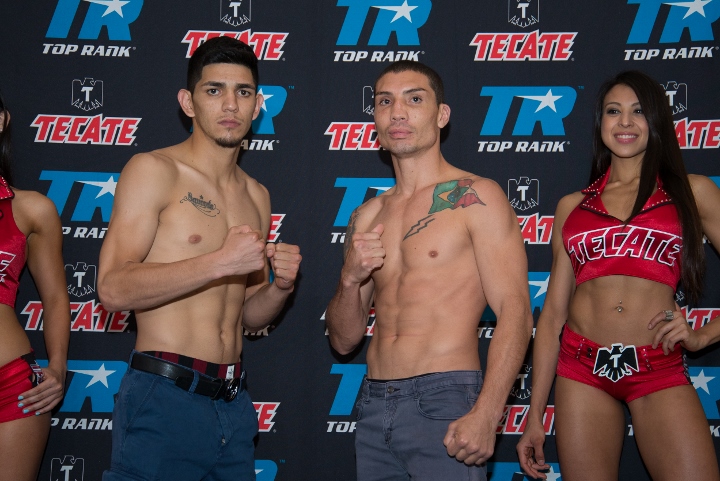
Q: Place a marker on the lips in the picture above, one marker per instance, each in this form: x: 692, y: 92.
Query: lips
x: 229, y: 123
x: 626, y: 137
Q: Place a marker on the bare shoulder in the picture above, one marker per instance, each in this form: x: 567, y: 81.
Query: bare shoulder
x: 33, y: 211
x: 706, y: 193
x: 567, y: 204
x: 255, y: 189
x: 702, y: 185
x: 158, y: 163
x: 363, y: 216
x: 34, y: 204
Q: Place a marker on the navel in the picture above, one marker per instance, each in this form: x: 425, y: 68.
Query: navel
x: 195, y: 238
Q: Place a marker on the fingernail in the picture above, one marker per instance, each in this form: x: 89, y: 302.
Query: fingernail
x: 37, y: 413
x: 20, y: 405
x: 25, y: 411
x: 20, y: 398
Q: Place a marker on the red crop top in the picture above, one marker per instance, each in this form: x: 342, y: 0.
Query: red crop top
x: 600, y: 245
x: 12, y: 248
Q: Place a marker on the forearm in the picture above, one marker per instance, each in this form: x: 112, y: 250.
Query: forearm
x: 140, y: 285
x: 710, y: 332
x: 56, y: 332
x: 505, y: 356
x: 546, y: 348
x: 346, y: 317
x: 263, y: 306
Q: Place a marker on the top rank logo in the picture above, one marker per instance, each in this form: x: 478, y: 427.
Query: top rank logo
x: 273, y: 102
x: 547, y: 106
x: 402, y: 17
x: 87, y: 94
x: 697, y: 16
x: 235, y: 12
x: 114, y: 15
x: 706, y: 381
x: 523, y: 13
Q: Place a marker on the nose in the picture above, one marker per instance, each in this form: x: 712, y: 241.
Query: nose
x: 230, y: 102
x: 626, y: 119
x: 398, y: 112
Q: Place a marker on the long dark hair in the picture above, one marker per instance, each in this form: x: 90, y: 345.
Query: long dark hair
x: 5, y: 150
x: 662, y: 158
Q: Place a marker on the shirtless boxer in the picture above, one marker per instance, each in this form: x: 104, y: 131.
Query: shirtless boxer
x: 186, y: 250
x: 431, y: 253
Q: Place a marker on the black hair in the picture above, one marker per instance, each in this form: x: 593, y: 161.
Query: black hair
x: 5, y: 145
x: 436, y: 83
x: 220, y: 50
x: 662, y: 159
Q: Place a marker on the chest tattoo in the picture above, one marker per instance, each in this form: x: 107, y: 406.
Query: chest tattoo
x: 204, y: 206
x: 447, y: 195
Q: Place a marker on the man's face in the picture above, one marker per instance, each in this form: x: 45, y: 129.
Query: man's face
x: 407, y: 117
x: 225, y: 102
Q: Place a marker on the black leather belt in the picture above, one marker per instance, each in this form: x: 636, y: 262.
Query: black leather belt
x: 214, y: 388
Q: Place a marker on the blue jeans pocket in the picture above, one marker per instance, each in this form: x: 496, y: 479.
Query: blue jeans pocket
x: 447, y: 403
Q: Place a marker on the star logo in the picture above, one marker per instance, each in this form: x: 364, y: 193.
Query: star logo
x: 701, y: 381
x: 401, y: 11
x: 265, y: 98
x: 111, y: 6
x: 542, y: 285
x: 107, y: 187
x: 547, y: 100
x: 696, y: 6
x: 97, y: 375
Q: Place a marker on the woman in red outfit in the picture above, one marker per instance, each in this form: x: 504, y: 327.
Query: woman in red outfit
x: 29, y: 230
x: 619, y: 249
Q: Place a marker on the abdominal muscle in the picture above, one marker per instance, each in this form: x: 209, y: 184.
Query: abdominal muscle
x: 204, y: 324
x: 433, y: 328
x: 594, y: 312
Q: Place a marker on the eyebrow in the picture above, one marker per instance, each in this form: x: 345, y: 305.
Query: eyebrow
x: 618, y: 103
x: 212, y: 83
x: 408, y: 91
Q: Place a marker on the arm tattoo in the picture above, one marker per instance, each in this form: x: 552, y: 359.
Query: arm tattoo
x: 204, y: 206
x: 447, y: 195
x: 349, y: 233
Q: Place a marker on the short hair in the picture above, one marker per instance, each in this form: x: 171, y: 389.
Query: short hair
x: 436, y: 83
x: 220, y: 50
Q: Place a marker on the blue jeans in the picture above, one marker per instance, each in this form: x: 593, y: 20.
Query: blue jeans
x: 401, y: 426
x: 161, y: 432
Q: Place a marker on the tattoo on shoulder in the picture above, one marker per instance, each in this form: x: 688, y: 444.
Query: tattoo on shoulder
x: 204, y: 206
x: 350, y: 231
x: 447, y: 195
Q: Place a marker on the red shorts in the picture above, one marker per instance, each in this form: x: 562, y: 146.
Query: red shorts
x: 624, y: 372
x: 16, y: 377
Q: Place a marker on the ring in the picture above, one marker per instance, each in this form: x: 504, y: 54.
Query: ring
x: 669, y: 316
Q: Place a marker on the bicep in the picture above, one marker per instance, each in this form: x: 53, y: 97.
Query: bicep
x: 134, y: 221
x: 707, y: 196
x: 45, y: 260
x: 500, y: 253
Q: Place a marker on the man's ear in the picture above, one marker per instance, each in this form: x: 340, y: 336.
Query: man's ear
x: 186, y: 104
x: 258, y: 104
x: 443, y: 115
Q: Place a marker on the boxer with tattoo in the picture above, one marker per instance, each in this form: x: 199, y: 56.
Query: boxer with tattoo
x: 431, y: 253
x: 186, y: 250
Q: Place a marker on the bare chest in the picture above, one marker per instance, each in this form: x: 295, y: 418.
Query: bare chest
x: 196, y: 220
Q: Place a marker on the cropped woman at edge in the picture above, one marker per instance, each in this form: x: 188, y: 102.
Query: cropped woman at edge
x: 30, y: 230
x: 620, y: 247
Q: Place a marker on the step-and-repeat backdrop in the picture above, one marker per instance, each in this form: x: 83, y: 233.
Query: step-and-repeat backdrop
x: 92, y: 82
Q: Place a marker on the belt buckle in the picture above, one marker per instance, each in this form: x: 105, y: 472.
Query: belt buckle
x: 231, y: 389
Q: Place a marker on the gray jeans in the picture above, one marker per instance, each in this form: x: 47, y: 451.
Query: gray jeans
x: 402, y: 423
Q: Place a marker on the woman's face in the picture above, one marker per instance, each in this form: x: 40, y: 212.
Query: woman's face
x: 624, y: 129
